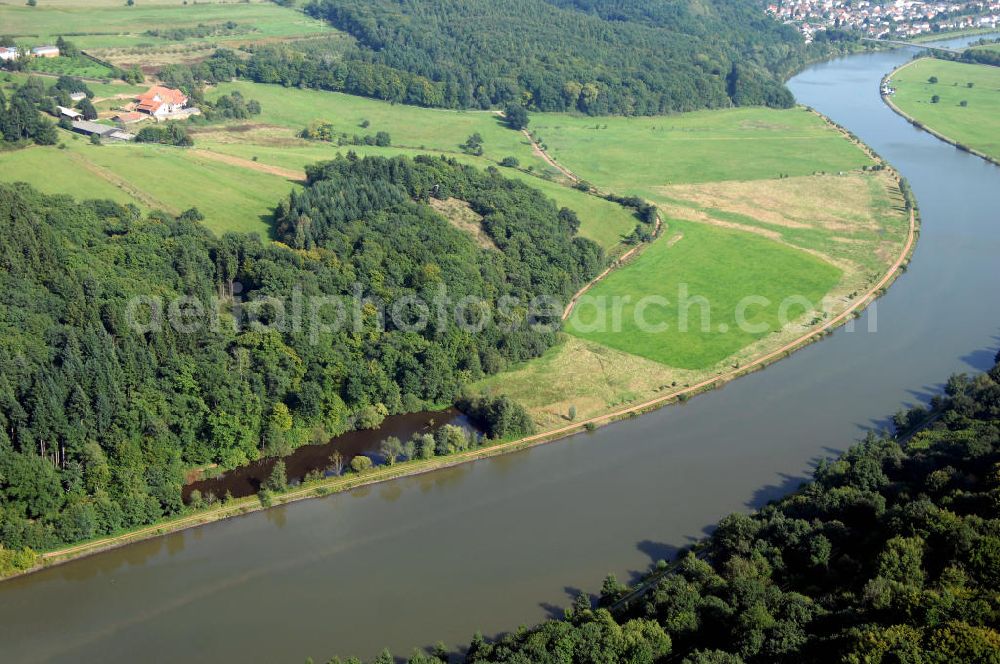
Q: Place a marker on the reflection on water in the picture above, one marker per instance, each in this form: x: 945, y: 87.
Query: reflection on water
x: 246, y: 480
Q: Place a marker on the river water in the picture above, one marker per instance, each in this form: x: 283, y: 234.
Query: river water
x: 507, y: 541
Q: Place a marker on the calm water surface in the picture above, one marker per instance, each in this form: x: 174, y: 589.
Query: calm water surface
x: 502, y: 542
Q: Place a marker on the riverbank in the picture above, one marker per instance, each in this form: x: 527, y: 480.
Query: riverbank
x: 923, y: 126
x: 328, y: 486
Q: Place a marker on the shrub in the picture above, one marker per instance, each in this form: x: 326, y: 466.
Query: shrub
x: 361, y: 464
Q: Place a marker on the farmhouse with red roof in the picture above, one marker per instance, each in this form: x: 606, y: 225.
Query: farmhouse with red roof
x: 161, y: 102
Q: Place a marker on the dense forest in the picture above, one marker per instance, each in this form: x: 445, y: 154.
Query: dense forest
x: 635, y: 57
x: 599, y: 57
x: 102, y: 412
x: 891, y: 554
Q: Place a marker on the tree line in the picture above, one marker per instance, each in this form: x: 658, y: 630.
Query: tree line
x: 99, y: 420
x: 891, y: 553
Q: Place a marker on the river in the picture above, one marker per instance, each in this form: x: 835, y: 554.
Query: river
x: 507, y: 541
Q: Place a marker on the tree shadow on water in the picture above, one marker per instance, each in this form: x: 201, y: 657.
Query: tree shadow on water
x: 984, y: 358
x: 771, y: 492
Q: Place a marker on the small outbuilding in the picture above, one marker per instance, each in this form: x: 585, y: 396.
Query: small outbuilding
x: 70, y: 113
x: 45, y: 52
x: 88, y: 128
x: 129, y: 117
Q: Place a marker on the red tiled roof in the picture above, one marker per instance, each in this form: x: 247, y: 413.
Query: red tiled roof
x: 158, y: 94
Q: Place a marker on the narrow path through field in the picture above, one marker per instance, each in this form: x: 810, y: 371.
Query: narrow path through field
x: 539, y: 152
x: 615, y: 265
x: 121, y: 183
x: 298, y: 176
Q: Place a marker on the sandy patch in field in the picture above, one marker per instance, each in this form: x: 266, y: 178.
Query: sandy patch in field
x: 250, y: 164
x: 836, y: 203
x: 462, y: 217
x: 587, y: 376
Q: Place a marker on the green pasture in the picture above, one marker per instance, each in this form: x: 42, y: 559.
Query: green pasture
x: 10, y: 80
x: 232, y: 198
x: 54, y: 171
x: 410, y: 126
x: 713, y: 270
x: 79, y: 66
x: 977, y: 124
x: 637, y: 154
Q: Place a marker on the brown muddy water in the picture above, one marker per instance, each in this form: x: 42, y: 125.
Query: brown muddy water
x: 246, y: 480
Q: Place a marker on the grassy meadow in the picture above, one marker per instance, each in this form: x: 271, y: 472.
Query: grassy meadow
x: 988, y: 47
x: 602, y: 221
x: 717, y: 268
x: 240, y: 197
x: 412, y: 127
x: 172, y: 179
x: 636, y: 155
x: 977, y: 124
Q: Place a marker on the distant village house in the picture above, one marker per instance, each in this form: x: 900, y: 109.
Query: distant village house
x: 8, y: 53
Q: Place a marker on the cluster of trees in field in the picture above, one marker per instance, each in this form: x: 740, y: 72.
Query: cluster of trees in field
x: 232, y: 106
x: 350, y: 203
x: 21, y: 121
x: 168, y: 133
x: 100, y: 419
x: 326, y: 131
x: 890, y: 554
